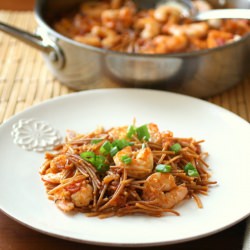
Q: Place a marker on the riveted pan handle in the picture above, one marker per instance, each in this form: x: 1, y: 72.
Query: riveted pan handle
x: 46, y: 46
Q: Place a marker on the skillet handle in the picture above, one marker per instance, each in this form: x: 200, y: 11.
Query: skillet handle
x: 38, y: 42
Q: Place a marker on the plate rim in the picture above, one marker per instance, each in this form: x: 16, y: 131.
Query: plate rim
x: 83, y: 92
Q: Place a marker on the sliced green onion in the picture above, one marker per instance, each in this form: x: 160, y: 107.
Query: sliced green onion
x: 189, y: 166
x: 176, y: 148
x: 95, y: 141
x: 190, y: 170
x: 142, y: 133
x: 88, y: 156
x: 114, y: 147
x: 193, y: 173
x: 120, y: 144
x: 102, y: 167
x: 106, y: 147
x: 113, y: 151
x: 126, y: 159
x: 131, y: 131
x: 98, y: 161
x: 162, y: 168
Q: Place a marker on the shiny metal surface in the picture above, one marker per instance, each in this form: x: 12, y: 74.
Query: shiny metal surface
x: 223, y: 14
x: 38, y: 42
x: 189, y: 10
x: 200, y: 74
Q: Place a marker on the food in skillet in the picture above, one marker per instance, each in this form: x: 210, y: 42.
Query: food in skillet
x: 125, y: 170
x: 118, y: 25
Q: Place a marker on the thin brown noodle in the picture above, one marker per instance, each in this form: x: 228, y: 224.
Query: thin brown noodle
x: 114, y: 192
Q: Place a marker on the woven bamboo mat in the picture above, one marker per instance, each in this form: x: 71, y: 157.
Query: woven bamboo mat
x: 25, y: 79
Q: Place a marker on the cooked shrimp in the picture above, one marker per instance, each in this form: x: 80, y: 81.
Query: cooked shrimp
x: 89, y: 39
x: 118, y: 133
x: 162, y: 44
x: 141, y: 161
x: 237, y: 26
x: 76, y: 195
x: 109, y: 38
x: 161, y: 188
x: 117, y: 19
x: 215, y: 23
x: 84, y: 24
x: 218, y: 38
x: 174, y: 196
x: 149, y: 26
x: 126, y: 16
x: 65, y: 205
x: 158, y: 181
x: 109, y: 18
x: 197, y: 43
x: 197, y: 30
x: 84, y: 196
x: 170, y: 44
x: 58, y: 163
x: 54, y: 178
x: 170, y: 14
x: 155, y: 135
x: 121, y: 132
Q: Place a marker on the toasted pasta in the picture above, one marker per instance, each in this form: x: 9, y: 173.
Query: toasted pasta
x: 125, y: 170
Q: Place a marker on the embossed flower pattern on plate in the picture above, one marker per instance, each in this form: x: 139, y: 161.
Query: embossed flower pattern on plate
x: 35, y: 135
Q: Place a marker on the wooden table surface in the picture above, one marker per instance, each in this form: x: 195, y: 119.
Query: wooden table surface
x: 25, y: 81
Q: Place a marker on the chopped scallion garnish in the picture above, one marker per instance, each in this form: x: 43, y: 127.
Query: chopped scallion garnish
x: 95, y: 141
x: 114, y: 147
x: 131, y: 131
x: 126, y: 159
x: 98, y: 161
x: 114, y: 151
x: 190, y: 170
x: 193, y: 173
x: 162, y: 168
x: 122, y: 143
x: 88, y: 155
x: 176, y: 148
x: 106, y: 147
x: 142, y: 133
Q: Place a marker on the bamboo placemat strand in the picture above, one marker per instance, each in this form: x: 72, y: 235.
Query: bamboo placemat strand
x: 25, y: 79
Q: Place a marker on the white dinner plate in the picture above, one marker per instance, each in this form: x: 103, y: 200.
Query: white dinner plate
x: 227, y: 140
